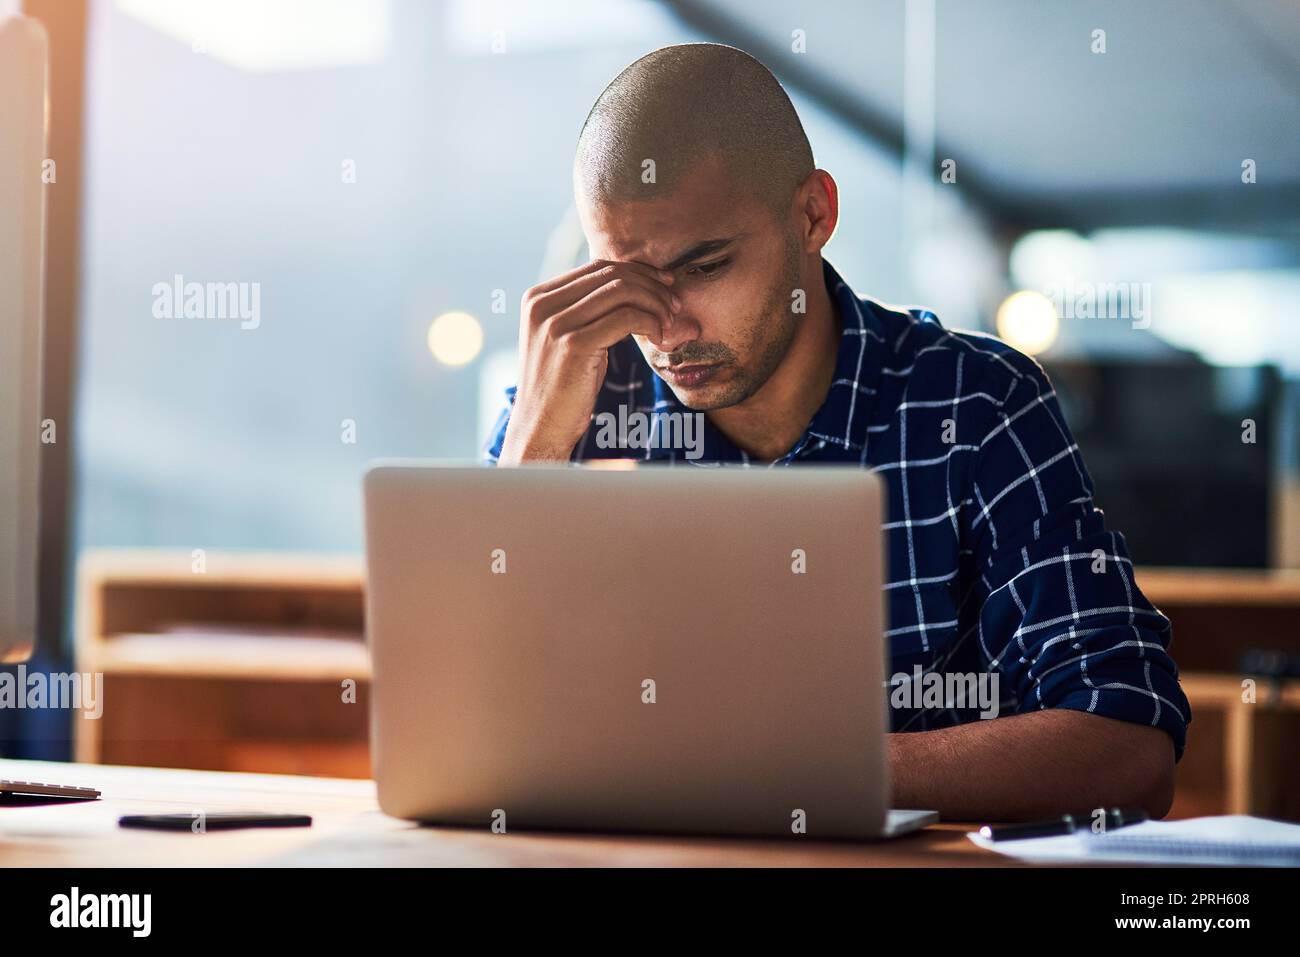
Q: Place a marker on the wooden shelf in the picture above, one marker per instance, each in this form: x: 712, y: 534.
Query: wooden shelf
x: 238, y: 666
x: 1220, y: 587
x: 265, y: 658
x: 1226, y: 691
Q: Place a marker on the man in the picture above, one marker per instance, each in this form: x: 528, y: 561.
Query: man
x: 698, y: 194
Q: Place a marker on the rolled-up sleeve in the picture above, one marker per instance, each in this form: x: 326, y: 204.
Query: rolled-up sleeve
x: 496, y: 436
x: 1062, y: 620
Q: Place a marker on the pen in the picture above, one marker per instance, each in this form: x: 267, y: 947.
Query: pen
x: 1065, y: 824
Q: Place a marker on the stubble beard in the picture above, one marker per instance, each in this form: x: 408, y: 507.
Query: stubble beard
x: 776, y: 322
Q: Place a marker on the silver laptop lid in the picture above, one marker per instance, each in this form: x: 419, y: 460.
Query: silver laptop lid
x: 680, y: 649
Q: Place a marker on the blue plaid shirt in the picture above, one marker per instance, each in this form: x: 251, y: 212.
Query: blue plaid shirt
x: 998, y: 560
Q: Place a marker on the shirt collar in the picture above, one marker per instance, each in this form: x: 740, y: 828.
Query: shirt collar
x: 842, y: 419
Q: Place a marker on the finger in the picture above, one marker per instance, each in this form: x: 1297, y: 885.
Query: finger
x: 555, y: 282
x: 596, y: 265
x: 615, y: 326
x: 554, y: 300
x: 643, y: 269
x: 623, y: 291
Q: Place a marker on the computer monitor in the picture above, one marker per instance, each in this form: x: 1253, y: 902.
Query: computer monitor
x: 23, y: 79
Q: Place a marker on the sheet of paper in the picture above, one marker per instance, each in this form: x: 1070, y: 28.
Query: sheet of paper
x: 1236, y: 840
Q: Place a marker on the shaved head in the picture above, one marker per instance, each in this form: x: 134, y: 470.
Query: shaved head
x: 694, y: 162
x: 684, y: 105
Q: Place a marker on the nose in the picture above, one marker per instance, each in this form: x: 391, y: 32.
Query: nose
x: 684, y: 329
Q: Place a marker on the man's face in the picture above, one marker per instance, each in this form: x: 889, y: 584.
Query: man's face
x: 735, y: 264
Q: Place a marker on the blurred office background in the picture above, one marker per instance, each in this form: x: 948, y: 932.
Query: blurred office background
x: 375, y: 164
x: 1113, y: 186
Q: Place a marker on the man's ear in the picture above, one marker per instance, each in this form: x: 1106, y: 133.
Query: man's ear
x: 819, y: 209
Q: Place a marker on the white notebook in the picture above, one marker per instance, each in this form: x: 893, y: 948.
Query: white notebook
x: 1233, y: 840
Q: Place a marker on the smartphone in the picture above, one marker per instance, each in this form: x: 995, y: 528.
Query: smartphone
x: 200, y: 821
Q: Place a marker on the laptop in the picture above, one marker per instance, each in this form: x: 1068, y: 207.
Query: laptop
x: 672, y: 650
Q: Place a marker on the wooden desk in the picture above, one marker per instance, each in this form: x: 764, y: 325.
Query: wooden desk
x: 349, y: 830
x: 260, y: 690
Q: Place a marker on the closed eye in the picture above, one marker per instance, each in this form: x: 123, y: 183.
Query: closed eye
x: 707, y: 270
